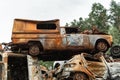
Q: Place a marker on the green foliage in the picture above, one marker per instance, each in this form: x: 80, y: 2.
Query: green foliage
x: 98, y: 16
x: 116, y: 35
x: 47, y: 64
x: 81, y: 23
x: 115, y: 14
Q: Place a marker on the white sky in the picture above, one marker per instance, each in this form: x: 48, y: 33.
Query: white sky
x: 65, y: 10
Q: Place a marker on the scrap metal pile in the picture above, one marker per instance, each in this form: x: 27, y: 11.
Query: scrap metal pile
x: 87, y: 67
x: 84, y: 52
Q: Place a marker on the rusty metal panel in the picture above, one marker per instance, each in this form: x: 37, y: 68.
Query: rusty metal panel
x: 22, y: 25
x: 27, y: 29
x: 1, y: 47
x: 74, y: 39
x: 98, y: 68
x: 80, y: 64
x: 33, y: 68
x: 5, y: 60
x: 95, y: 37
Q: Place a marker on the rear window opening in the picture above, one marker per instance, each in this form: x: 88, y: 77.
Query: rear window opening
x: 71, y: 30
x: 46, y: 26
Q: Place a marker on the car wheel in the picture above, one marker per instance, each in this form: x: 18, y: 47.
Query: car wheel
x: 115, y: 51
x: 80, y: 76
x: 34, y: 50
x: 102, y: 46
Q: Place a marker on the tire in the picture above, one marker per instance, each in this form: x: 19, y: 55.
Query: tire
x: 102, y: 46
x: 34, y: 50
x: 80, y: 76
x: 115, y: 51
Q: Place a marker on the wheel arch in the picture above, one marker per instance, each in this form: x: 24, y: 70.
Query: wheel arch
x: 36, y: 42
x: 101, y: 39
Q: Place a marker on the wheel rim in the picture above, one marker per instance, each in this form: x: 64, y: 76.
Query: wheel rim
x: 102, y: 46
x: 116, y: 50
x: 34, y: 50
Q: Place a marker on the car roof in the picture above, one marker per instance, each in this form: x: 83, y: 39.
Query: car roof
x: 36, y: 21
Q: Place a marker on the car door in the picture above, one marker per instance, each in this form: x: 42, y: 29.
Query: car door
x: 74, y: 40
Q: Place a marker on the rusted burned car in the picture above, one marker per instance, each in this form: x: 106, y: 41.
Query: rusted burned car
x: 19, y: 67
x: 78, y: 68
x: 41, y: 36
x: 86, y: 67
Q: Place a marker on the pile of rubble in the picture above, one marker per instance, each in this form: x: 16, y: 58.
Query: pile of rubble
x: 85, y: 66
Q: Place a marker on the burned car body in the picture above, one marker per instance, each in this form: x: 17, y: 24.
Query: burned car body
x: 19, y: 67
x: 78, y: 68
x: 40, y: 36
x: 86, y: 67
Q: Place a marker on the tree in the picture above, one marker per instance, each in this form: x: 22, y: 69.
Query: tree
x: 98, y: 16
x: 116, y: 35
x: 82, y: 24
x: 115, y: 14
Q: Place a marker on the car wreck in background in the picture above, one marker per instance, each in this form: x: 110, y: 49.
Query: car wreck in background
x: 88, y: 67
x: 19, y: 67
x: 38, y: 37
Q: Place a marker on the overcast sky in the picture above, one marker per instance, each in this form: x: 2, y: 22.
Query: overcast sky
x: 65, y: 10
